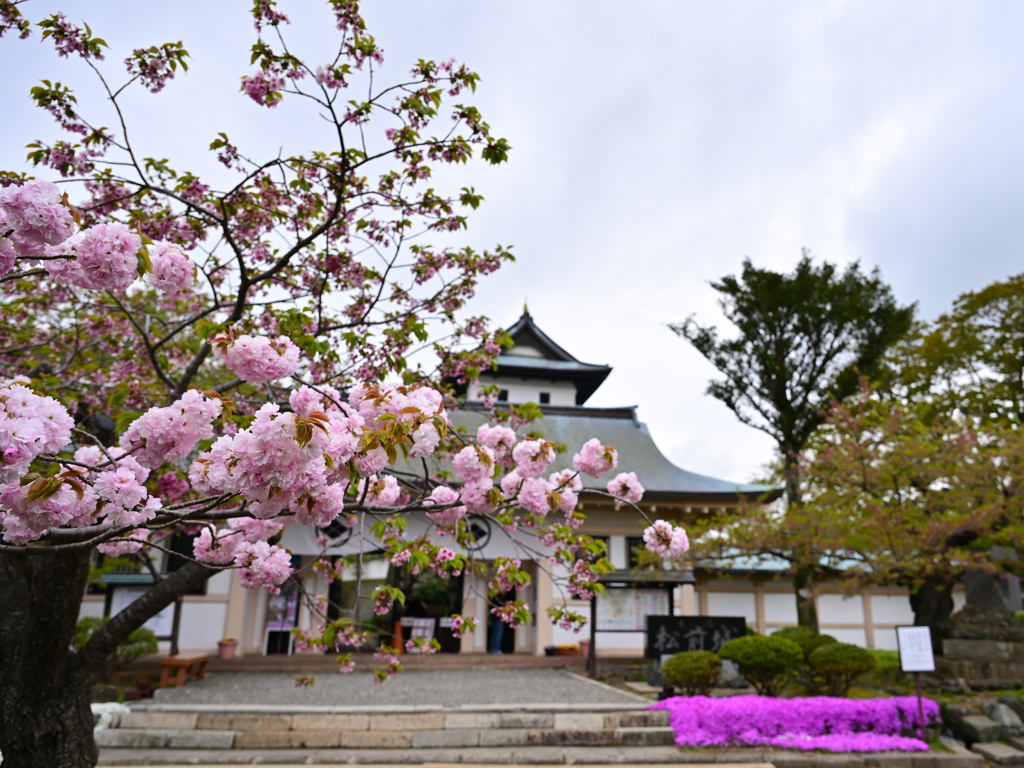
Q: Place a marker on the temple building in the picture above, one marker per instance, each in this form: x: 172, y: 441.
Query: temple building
x: 536, y: 369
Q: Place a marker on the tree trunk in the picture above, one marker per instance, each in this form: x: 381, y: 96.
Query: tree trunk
x: 932, y: 604
x: 803, y: 588
x: 45, y: 719
x: 803, y: 578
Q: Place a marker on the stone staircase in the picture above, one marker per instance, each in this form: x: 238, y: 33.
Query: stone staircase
x: 542, y: 734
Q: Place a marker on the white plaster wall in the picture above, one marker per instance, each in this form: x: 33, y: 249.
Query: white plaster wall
x: 528, y: 391
x: 91, y: 608
x: 733, y: 604
x: 853, y: 636
x: 891, y: 609
x: 617, y: 551
x: 219, y: 583
x: 840, y: 609
x: 885, y: 639
x: 202, y: 625
x: 780, y: 608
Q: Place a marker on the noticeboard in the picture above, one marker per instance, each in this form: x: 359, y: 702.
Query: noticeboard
x: 162, y: 624
x: 626, y: 610
x: 667, y: 635
x: 915, y: 647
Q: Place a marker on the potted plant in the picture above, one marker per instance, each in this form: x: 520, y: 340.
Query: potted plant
x: 226, y: 647
x: 550, y: 650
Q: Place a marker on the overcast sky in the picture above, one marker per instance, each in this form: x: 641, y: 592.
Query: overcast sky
x: 656, y: 144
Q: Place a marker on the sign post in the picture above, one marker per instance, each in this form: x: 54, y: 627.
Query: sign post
x: 916, y: 655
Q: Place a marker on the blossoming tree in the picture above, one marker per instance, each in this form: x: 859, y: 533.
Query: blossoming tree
x: 227, y: 360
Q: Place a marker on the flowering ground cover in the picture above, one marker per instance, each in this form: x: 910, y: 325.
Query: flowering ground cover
x: 819, y: 722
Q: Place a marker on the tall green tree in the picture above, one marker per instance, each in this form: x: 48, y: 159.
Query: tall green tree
x: 906, y: 499
x: 970, y: 361
x: 804, y: 339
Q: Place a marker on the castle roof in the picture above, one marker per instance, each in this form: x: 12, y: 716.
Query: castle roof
x: 535, y: 355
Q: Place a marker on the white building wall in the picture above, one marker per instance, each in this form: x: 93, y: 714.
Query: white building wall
x: 779, y: 609
x: 528, y: 390
x: 733, y: 604
x: 841, y: 609
x: 202, y: 625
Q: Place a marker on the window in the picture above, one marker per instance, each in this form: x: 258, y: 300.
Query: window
x: 634, y: 548
x: 180, y: 545
x: 545, y: 398
x: 503, y: 396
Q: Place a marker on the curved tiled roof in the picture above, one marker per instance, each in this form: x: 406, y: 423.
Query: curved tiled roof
x: 638, y: 453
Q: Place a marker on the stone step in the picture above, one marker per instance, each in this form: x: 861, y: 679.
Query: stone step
x: 580, y: 757
x: 198, y: 738
x: 999, y: 753
x: 463, y: 720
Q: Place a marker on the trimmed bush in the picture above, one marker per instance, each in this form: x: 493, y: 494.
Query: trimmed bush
x: 809, y: 641
x: 693, y: 672
x: 839, y: 664
x: 768, y: 662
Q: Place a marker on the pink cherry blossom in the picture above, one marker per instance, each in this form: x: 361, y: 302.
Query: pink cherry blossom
x: 474, y: 463
x: 532, y: 457
x: 257, y: 359
x: 23, y: 520
x: 625, y: 488
x: 217, y: 547
x: 172, y: 268
x: 498, y: 438
x: 37, y: 214
x: 263, y: 565
x: 171, y: 433
x: 103, y: 257
x: 666, y: 540
x: 595, y: 459
x: 134, y: 542
x: 445, y: 517
x: 379, y: 491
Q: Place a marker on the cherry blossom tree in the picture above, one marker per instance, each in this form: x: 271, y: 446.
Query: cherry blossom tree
x: 231, y: 357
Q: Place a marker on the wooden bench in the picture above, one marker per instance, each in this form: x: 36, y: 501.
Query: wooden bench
x: 174, y: 670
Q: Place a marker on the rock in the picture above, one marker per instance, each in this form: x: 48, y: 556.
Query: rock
x: 975, y: 728
x: 1015, y: 704
x: 999, y: 753
x: 730, y: 676
x: 979, y: 622
x: 1005, y: 716
x: 983, y: 650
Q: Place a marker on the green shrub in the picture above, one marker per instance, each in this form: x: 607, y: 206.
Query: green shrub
x: 839, y: 664
x: 809, y: 641
x: 767, y: 662
x: 693, y: 672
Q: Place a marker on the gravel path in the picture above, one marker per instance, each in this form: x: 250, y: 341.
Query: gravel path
x: 448, y: 688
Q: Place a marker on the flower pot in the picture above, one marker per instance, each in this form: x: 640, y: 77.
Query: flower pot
x: 584, y: 648
x: 226, y: 648
x: 550, y: 651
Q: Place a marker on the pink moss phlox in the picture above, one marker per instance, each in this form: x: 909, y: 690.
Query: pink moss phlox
x: 821, y: 722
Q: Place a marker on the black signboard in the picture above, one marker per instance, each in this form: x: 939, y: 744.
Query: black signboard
x: 667, y: 635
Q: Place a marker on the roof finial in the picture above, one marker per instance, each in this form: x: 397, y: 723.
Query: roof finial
x: 526, y: 308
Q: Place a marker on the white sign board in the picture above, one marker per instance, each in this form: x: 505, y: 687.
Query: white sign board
x: 162, y: 624
x: 915, y: 645
x: 628, y: 609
